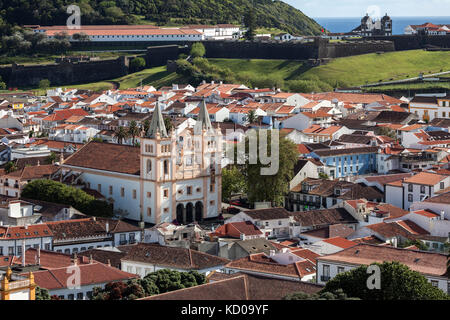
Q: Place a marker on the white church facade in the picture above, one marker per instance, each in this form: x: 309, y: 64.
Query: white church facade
x: 168, y: 178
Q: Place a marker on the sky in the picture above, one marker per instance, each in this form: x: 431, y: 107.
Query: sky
x: 358, y: 8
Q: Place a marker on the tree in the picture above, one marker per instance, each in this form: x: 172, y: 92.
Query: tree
x: 137, y: 64
x: 2, y: 84
x: 120, y: 134
x: 232, y: 182
x: 274, y: 187
x: 398, y: 282
x: 323, y: 176
x: 250, y: 24
x: 133, y: 131
x: 168, y: 280
x: 10, y: 167
x: 251, y: 116
x: 168, y: 124
x: 42, y: 294
x: 146, y: 126
x: 337, y: 295
x: 53, y: 191
x: 198, y: 50
x: 385, y: 131
x: 130, y: 290
x: 44, y: 84
x: 51, y: 158
x: 81, y: 37
x: 153, y: 283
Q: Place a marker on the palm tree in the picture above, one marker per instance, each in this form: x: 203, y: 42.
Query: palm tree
x: 120, y: 134
x: 251, y: 116
x: 133, y: 130
x: 146, y: 126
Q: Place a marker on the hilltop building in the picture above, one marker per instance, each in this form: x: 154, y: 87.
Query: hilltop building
x: 378, y: 27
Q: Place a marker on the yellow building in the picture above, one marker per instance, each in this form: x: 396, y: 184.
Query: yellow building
x: 17, y: 287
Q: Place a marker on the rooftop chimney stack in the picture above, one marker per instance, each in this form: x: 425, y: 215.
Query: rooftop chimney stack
x: 91, y: 260
x: 442, y: 215
x: 109, y: 263
x: 107, y: 227
x: 39, y: 255
x: 75, y: 259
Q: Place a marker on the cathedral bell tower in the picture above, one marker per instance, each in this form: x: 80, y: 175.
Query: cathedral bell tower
x: 157, y: 167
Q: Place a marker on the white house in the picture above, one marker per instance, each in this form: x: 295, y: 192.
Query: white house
x: 15, y: 239
x: 274, y: 222
x: 142, y: 259
x: 422, y: 186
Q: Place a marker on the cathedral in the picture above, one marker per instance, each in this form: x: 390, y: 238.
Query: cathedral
x: 378, y: 27
x: 168, y: 178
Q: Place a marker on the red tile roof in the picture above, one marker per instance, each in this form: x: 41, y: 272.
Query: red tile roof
x: 90, y: 274
x: 340, y: 242
x: 31, y: 231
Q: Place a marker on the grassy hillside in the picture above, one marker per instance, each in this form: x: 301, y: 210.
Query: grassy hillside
x: 372, y: 68
x: 297, y: 76
x: 268, y: 13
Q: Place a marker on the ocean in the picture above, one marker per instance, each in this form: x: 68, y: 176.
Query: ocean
x: 399, y: 23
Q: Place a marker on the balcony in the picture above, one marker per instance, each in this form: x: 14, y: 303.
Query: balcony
x: 132, y: 241
x: 123, y: 242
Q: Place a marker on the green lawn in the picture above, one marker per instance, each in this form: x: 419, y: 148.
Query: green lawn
x: 282, y: 69
x: 358, y: 70
x: 412, y: 86
x: 156, y: 77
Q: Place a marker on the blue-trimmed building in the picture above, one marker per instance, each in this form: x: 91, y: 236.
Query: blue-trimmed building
x: 340, y: 163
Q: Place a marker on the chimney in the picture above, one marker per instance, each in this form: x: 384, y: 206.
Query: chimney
x: 109, y: 263
x: 75, y: 259
x: 91, y: 261
x: 38, y: 163
x: 442, y: 215
x: 1, y: 223
x: 107, y: 227
x: 39, y: 255
x: 25, y: 227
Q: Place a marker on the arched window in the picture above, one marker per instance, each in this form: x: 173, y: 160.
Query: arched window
x: 149, y: 166
x: 166, y: 167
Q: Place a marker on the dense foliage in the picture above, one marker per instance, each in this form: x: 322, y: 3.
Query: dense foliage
x: 398, y: 282
x: 52, y: 191
x: 42, y: 294
x: 157, y: 282
x: 337, y: 295
x: 262, y: 187
x: 268, y: 13
x: 197, y: 50
x: 233, y: 182
x: 137, y: 64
